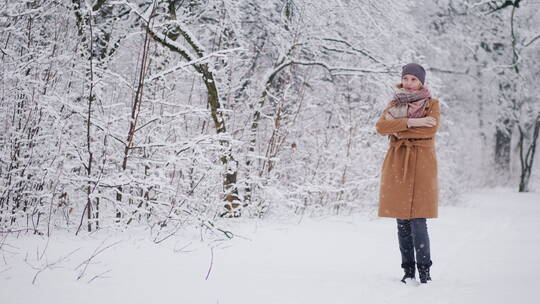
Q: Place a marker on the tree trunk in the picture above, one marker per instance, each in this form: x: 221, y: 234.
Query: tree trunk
x: 231, y: 198
x: 135, y: 110
x: 527, y: 159
x: 503, y: 137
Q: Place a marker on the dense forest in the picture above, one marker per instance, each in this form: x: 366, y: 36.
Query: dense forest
x: 173, y: 113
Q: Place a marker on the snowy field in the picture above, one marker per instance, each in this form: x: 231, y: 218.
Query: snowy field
x: 486, y: 250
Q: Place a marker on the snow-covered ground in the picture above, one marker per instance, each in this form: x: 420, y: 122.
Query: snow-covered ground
x: 486, y: 250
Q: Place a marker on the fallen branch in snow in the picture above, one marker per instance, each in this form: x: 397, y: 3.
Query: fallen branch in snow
x: 40, y: 256
x: 99, y: 276
x: 6, y: 270
x: 211, y: 263
x: 211, y: 225
x: 3, y: 241
x: 182, y: 249
x: 4, y: 250
x: 16, y: 230
x: 2, y: 245
x: 86, y: 262
x: 47, y: 265
x: 157, y: 241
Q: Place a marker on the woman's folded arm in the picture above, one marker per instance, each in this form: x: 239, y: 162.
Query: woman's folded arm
x: 424, y: 132
x: 386, y: 126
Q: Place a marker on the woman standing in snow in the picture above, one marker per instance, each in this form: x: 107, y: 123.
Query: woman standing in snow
x: 409, y: 190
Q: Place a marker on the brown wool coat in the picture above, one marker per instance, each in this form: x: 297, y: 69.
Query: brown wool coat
x: 409, y: 186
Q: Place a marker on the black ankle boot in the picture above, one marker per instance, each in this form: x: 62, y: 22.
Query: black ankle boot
x: 423, y: 272
x: 409, y: 269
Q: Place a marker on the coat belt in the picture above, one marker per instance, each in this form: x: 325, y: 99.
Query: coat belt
x: 408, y: 143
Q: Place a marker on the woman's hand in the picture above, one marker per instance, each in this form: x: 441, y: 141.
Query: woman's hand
x: 390, y: 117
x: 427, y: 121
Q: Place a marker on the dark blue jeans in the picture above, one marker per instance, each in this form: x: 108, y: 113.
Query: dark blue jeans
x: 413, y: 236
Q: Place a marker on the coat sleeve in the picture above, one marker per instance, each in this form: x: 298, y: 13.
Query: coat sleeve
x: 424, y: 132
x: 388, y: 126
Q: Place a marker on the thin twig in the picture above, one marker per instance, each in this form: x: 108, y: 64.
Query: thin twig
x: 211, y: 263
x: 16, y: 230
x: 96, y: 252
x: 98, y: 276
x: 49, y: 265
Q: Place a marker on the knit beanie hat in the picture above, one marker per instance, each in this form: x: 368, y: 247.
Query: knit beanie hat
x: 416, y: 70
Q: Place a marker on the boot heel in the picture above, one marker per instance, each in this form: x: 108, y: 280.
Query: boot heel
x: 409, y: 269
x: 423, y: 272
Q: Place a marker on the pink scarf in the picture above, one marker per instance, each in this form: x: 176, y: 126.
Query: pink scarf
x: 399, y: 106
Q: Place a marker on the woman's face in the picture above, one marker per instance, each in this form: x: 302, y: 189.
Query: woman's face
x: 410, y: 82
